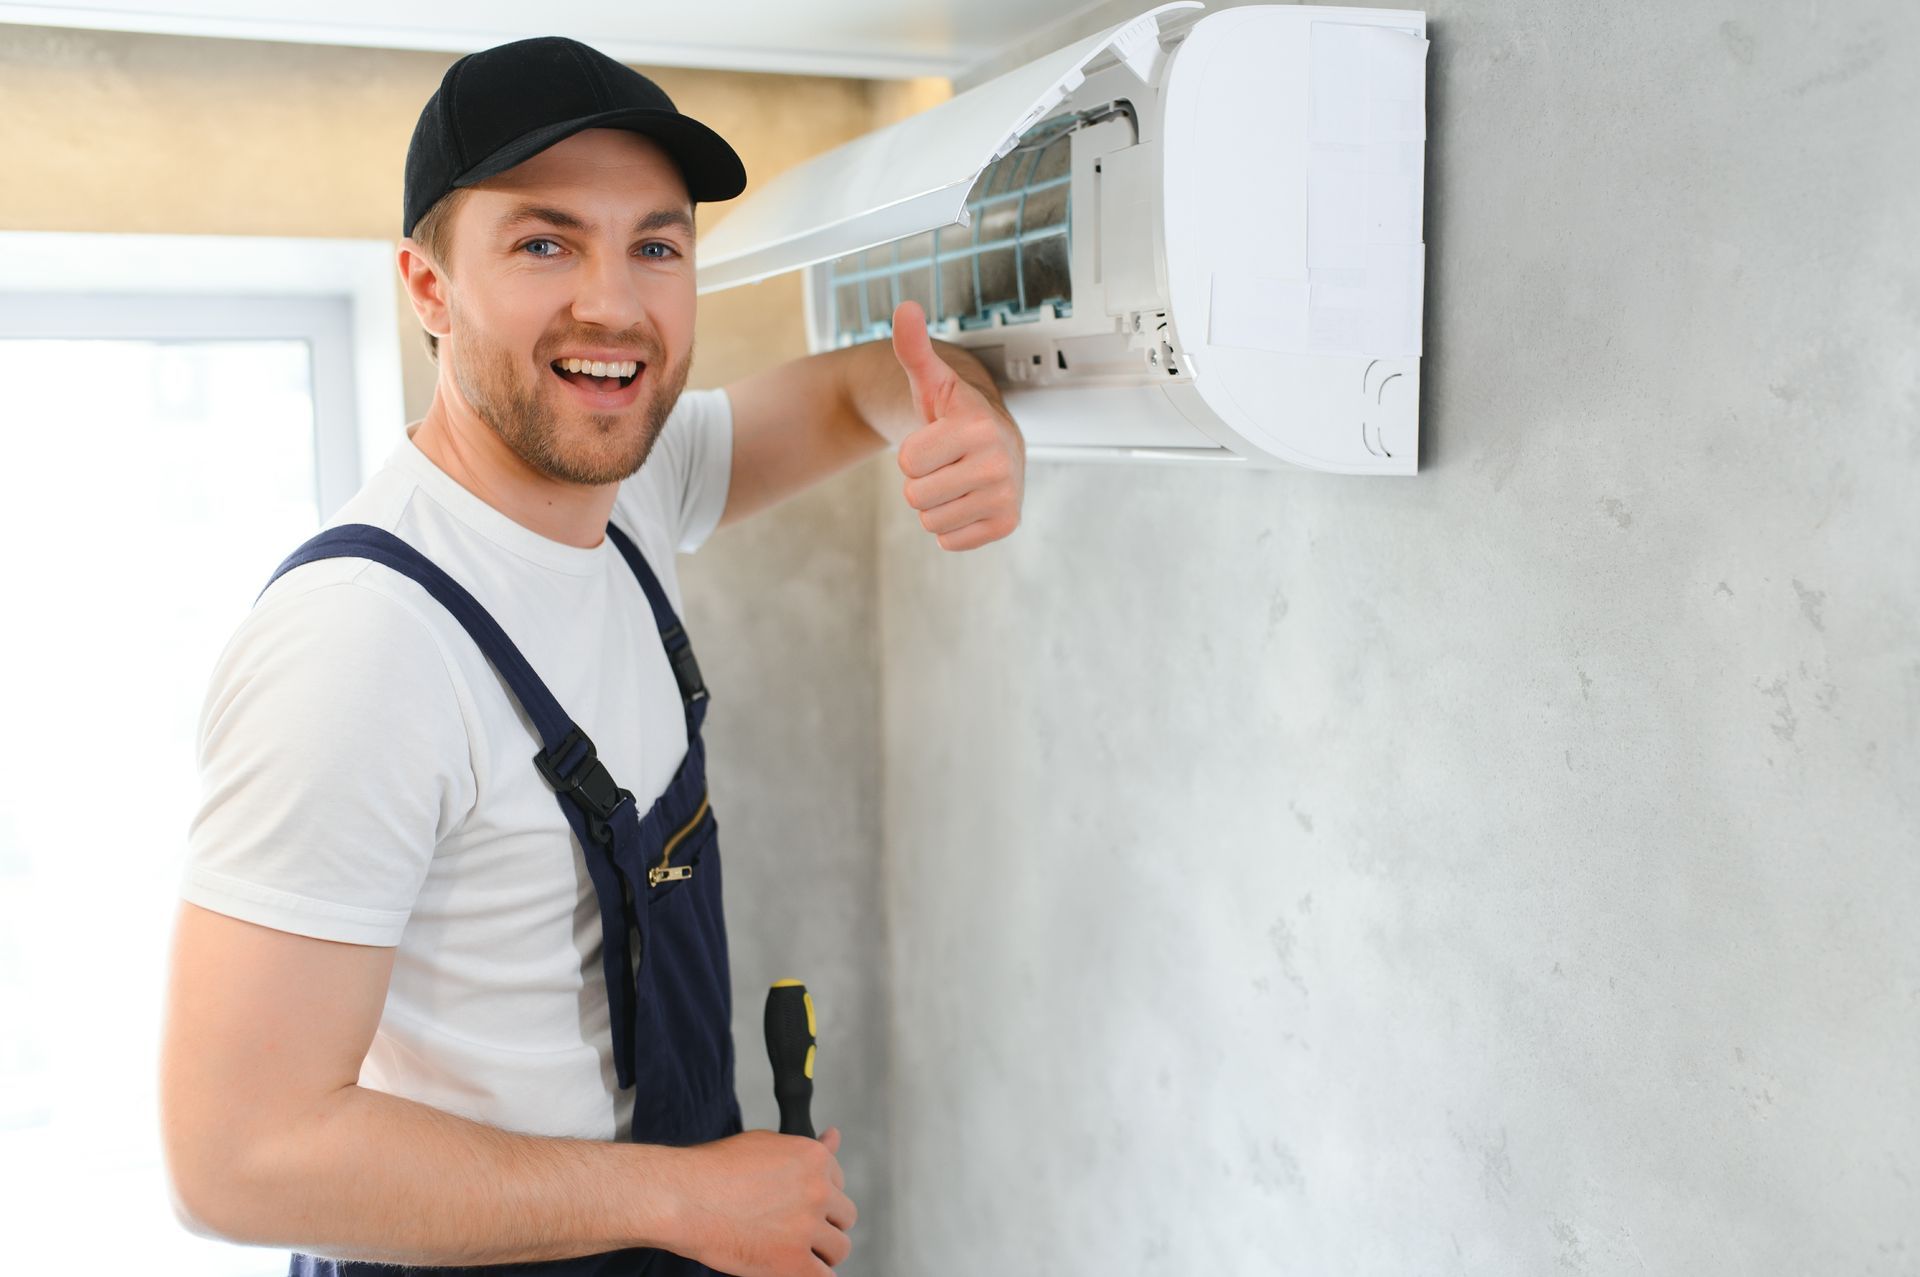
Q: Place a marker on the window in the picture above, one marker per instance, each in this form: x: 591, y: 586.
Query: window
x: 162, y: 454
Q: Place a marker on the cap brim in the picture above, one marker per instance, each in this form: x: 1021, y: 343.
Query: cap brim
x: 710, y: 167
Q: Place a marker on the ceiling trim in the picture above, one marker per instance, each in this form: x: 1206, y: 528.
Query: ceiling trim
x: 854, y: 63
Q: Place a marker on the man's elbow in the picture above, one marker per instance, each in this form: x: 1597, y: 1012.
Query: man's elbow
x: 198, y: 1209
x: 202, y: 1204
x: 189, y: 1214
x: 209, y: 1187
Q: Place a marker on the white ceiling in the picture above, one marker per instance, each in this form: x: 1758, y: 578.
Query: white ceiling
x: 878, y: 39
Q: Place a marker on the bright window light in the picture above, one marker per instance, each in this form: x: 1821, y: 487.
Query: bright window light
x: 150, y: 490
x: 164, y: 451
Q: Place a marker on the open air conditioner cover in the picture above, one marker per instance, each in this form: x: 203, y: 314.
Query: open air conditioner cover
x: 910, y: 177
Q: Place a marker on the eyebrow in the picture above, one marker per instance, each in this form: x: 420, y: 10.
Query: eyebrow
x: 658, y: 219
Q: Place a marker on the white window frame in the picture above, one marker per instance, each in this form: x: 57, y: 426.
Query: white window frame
x: 337, y: 295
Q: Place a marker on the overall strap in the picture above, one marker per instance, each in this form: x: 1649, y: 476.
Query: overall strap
x: 587, y: 793
x: 686, y: 670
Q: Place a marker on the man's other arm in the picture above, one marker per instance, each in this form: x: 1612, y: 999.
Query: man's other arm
x: 270, y: 1140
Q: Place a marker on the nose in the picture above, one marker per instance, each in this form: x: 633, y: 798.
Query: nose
x: 608, y: 296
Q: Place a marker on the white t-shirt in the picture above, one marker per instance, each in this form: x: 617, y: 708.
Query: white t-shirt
x: 367, y: 777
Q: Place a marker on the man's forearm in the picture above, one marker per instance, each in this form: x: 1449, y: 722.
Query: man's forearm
x: 376, y: 1177
x: 883, y: 398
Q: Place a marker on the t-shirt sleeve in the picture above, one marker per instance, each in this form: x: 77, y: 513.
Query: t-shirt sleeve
x: 333, y: 757
x: 691, y: 465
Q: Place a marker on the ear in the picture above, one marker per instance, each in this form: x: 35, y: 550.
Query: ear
x: 426, y: 288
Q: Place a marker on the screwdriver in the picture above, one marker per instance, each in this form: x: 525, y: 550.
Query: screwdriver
x: 790, y: 1042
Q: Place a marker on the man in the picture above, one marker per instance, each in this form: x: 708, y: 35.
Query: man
x: 444, y: 993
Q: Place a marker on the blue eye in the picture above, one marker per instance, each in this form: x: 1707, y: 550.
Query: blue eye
x: 656, y: 243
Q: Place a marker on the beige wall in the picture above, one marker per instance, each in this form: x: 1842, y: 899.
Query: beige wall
x: 140, y: 133
x: 106, y: 131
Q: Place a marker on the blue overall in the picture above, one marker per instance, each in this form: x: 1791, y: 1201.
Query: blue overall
x: 657, y: 876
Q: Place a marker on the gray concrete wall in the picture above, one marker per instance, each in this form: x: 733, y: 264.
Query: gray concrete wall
x: 783, y: 610
x: 1510, y: 869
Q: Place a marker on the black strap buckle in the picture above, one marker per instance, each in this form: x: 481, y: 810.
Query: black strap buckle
x: 686, y: 670
x: 590, y: 785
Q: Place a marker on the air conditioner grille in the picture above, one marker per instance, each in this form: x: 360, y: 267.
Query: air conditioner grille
x: 1011, y: 259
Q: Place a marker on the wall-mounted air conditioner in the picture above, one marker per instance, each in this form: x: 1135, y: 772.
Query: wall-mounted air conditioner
x: 1187, y: 237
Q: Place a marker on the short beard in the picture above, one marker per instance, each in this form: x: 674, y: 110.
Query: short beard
x: 526, y: 422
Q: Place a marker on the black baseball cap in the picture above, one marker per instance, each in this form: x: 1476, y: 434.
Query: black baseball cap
x: 503, y: 105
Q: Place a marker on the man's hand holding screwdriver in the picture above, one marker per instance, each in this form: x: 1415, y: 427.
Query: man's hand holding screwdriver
x: 761, y: 1204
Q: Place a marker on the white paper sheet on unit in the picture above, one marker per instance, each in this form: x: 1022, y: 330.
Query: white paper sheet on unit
x: 1365, y: 168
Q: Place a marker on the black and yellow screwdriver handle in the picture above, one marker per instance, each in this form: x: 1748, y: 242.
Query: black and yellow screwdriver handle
x: 790, y: 1044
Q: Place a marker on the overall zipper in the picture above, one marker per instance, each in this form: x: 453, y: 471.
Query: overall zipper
x: 664, y: 872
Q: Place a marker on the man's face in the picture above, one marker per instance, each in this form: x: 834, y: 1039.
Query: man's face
x: 583, y: 250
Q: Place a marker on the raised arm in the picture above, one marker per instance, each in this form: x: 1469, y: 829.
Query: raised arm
x: 962, y: 456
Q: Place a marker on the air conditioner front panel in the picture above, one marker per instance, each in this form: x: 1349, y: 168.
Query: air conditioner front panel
x: 902, y: 180
x: 1293, y: 250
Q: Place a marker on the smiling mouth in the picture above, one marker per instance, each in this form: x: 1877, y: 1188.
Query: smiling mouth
x: 592, y: 382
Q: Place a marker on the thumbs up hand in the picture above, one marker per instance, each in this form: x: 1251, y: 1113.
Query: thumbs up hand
x: 966, y: 466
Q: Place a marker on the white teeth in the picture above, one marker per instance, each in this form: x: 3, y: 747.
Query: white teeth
x: 599, y: 368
